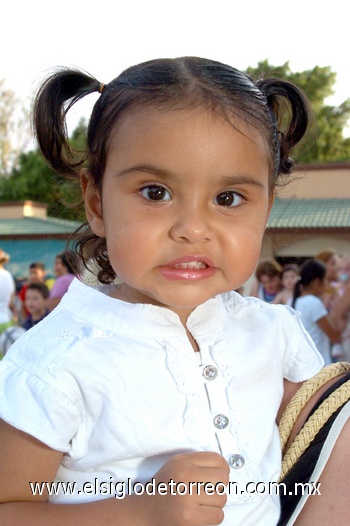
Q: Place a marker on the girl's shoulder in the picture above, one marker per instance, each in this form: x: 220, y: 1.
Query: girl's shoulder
x: 46, y: 345
x: 247, y: 305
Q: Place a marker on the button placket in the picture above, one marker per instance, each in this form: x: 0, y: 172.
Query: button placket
x: 216, y: 384
x: 210, y: 372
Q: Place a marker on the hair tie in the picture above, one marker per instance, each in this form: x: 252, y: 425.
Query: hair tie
x: 100, y: 89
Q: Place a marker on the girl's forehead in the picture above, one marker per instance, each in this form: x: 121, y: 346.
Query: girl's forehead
x: 180, y: 121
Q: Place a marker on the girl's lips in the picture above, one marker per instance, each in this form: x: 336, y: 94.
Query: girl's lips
x: 188, y: 268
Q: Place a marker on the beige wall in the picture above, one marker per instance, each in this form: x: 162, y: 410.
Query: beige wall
x: 330, y: 183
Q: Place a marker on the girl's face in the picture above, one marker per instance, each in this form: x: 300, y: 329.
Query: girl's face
x: 289, y: 279
x: 59, y: 268
x: 184, y: 204
x: 271, y: 284
x: 34, y: 301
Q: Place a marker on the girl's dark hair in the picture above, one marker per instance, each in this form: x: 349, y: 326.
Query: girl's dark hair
x: 275, y: 107
x: 40, y: 287
x: 309, y: 271
x: 291, y: 267
x: 69, y: 260
x: 268, y: 267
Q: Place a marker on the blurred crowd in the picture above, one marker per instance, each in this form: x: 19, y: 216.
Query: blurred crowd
x: 319, y: 289
x: 23, y: 307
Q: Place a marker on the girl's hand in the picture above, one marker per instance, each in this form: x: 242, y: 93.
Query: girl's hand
x: 196, y: 503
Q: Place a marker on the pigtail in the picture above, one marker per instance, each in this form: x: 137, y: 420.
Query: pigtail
x: 54, y: 99
x: 296, y: 292
x: 281, y: 95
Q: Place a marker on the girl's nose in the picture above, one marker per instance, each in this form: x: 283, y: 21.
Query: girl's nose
x: 192, y: 226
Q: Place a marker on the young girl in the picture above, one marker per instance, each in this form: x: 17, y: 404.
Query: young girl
x: 290, y: 276
x: 307, y: 300
x: 166, y: 385
x: 268, y: 280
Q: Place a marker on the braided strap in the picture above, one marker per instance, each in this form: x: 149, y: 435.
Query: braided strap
x: 303, y: 395
x: 313, y: 425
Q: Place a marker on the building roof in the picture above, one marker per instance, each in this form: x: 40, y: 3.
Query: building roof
x: 37, y: 227
x: 310, y: 214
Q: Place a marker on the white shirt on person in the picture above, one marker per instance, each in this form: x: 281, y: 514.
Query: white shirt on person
x: 313, y: 309
x: 7, y: 289
x: 118, y: 389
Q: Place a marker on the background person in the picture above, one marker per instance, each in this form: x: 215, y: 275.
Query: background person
x: 268, y: 280
x: 290, y: 275
x: 36, y: 298
x: 8, y: 311
x: 340, y: 314
x: 65, y: 273
x: 332, y: 284
x: 37, y: 274
x: 314, y: 315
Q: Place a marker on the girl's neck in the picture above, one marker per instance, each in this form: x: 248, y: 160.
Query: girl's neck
x: 38, y: 315
x: 121, y: 292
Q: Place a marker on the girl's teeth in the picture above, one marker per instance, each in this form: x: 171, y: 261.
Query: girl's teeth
x: 191, y: 265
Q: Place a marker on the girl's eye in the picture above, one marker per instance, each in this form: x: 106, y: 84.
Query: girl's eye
x: 228, y: 199
x: 155, y: 193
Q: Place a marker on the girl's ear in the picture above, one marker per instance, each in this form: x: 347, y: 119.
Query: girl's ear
x: 93, y: 203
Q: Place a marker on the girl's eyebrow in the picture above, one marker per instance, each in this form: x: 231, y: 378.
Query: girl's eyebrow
x: 224, y: 180
x: 145, y: 168
x: 240, y: 180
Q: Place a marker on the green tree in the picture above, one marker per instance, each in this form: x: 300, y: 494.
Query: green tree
x: 326, y: 142
x: 32, y: 179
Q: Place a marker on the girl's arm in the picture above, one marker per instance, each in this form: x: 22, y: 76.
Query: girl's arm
x: 327, y: 326
x: 13, y: 309
x: 279, y: 299
x: 23, y: 459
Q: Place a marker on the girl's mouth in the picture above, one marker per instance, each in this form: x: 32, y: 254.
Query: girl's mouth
x: 192, y: 265
x: 190, y: 268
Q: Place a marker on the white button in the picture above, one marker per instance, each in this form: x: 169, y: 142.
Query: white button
x: 210, y: 372
x: 220, y: 421
x: 236, y: 461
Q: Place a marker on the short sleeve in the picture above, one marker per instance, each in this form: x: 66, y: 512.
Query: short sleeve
x: 318, y: 311
x: 34, y: 407
x: 37, y: 395
x: 301, y: 360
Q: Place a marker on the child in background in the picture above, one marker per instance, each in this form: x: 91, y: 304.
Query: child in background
x: 332, y: 283
x: 167, y: 375
x: 290, y: 275
x: 268, y: 280
x: 37, y: 274
x: 65, y: 274
x: 343, y: 273
x: 36, y: 304
x: 314, y: 315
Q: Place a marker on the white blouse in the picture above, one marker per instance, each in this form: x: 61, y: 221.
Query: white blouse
x: 118, y: 389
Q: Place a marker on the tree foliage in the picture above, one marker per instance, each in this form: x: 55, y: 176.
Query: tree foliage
x: 326, y: 142
x: 32, y: 179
